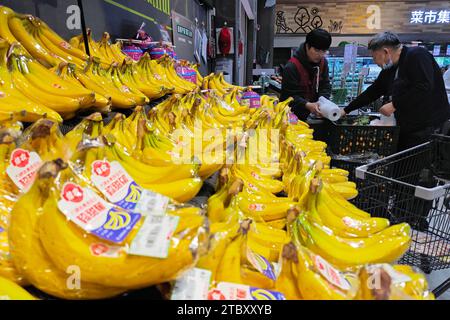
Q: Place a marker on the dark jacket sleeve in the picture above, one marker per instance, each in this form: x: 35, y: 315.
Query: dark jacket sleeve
x: 325, y: 84
x: 372, y: 93
x: 290, y: 87
x: 419, y: 72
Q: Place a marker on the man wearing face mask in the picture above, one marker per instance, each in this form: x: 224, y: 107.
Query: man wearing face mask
x: 412, y: 80
x: 305, y: 76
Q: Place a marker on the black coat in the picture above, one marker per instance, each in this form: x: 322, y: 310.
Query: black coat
x: 418, y: 93
x: 290, y: 86
x: 382, y: 86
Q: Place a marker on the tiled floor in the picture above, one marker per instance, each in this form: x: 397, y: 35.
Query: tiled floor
x: 436, y: 278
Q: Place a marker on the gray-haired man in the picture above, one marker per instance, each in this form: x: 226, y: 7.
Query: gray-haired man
x: 419, y: 100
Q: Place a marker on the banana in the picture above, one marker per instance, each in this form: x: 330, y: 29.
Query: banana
x: 52, y: 36
x: 341, y: 223
x: 5, y: 32
x: 313, y: 286
x: 16, y: 25
x: 256, y: 279
x: 230, y: 265
x: 286, y: 282
x: 353, y: 251
x: 218, y: 244
x: 267, y: 211
x: 182, y: 190
x: 11, y: 291
x: 56, y: 49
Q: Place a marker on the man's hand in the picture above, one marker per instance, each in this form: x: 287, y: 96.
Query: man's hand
x: 387, y: 110
x: 314, y: 108
x: 343, y: 113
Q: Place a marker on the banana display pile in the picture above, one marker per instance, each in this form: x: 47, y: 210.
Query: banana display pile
x: 45, y: 76
x: 105, y: 209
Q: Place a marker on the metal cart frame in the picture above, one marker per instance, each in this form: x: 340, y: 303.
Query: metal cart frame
x: 402, y: 188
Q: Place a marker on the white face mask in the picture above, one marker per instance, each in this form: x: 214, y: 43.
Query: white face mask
x: 388, y: 65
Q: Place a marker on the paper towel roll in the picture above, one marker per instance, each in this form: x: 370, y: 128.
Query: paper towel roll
x: 329, y: 109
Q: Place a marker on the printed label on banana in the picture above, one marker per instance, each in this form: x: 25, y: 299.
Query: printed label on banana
x: 22, y: 169
x: 233, y: 291
x: 261, y: 264
x: 193, y: 285
x: 330, y: 273
x: 94, y: 215
x: 153, y: 238
x: 120, y: 188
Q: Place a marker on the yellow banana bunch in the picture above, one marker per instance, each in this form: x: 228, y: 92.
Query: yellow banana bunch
x: 124, y: 270
x: 316, y: 279
x: 109, y: 52
x: 33, y: 82
x: 67, y: 72
x: 340, y: 221
x: 146, y: 69
x: 14, y: 101
x: 387, y: 245
x: 127, y: 89
x: 78, y: 42
x: 138, y: 80
x: 166, y: 66
x: 30, y: 257
x: 96, y: 79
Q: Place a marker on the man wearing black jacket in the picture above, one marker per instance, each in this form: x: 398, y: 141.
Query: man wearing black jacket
x: 305, y: 76
x: 419, y: 100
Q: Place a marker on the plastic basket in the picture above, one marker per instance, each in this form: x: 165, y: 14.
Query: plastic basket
x: 345, y: 139
x: 440, y: 161
x: 402, y: 188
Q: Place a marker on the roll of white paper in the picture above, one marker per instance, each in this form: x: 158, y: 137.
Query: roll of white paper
x: 329, y: 109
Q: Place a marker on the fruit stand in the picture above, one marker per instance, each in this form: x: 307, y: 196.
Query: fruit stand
x: 136, y: 178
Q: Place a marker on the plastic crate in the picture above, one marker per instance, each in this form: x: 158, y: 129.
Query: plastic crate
x: 440, y: 161
x: 402, y: 188
x: 346, y: 139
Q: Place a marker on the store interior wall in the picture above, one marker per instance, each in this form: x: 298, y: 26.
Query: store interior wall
x: 265, y: 35
x: 193, y: 9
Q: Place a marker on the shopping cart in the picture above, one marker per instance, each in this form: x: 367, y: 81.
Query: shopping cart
x: 403, y: 188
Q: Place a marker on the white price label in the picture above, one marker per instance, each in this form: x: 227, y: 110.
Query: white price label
x: 193, y: 285
x: 153, y: 239
x: 152, y: 203
x: 23, y: 167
